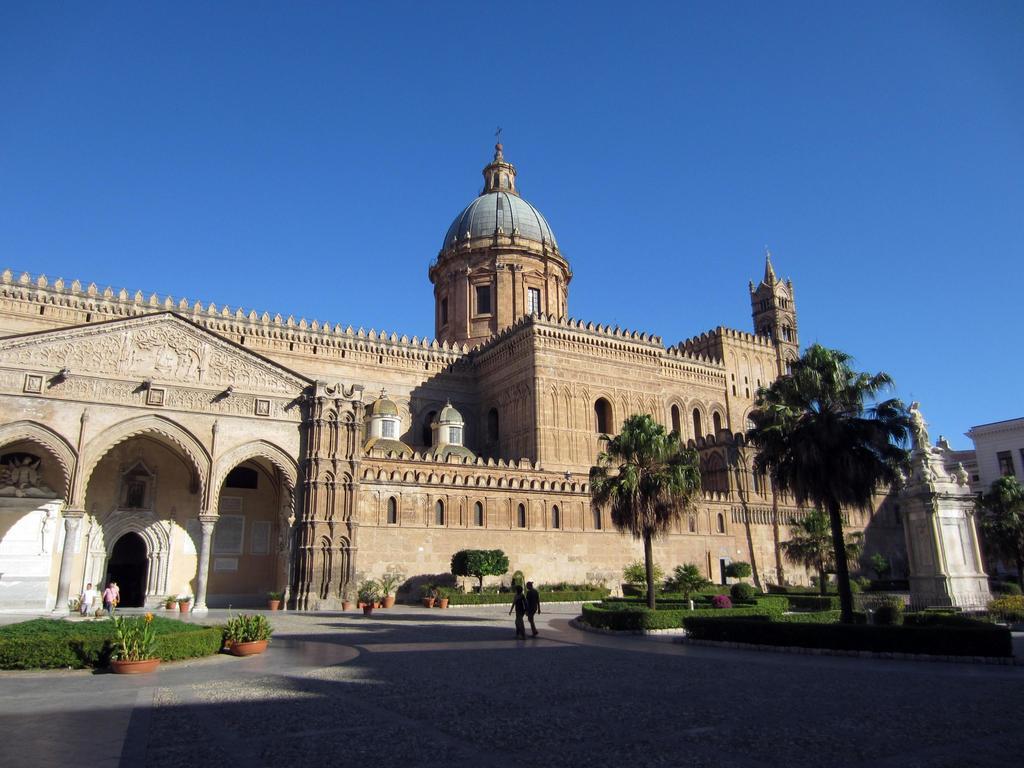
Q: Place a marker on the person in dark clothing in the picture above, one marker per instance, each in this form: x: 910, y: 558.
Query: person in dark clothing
x: 519, y: 606
x: 532, y: 605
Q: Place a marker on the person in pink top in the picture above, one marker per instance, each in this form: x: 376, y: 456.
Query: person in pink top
x: 111, y: 596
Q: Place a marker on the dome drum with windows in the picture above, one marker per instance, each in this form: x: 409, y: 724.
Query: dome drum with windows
x: 499, y: 261
x: 383, y: 427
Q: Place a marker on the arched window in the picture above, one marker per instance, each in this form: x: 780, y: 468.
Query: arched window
x: 721, y: 523
x: 597, y: 519
x: 697, y: 431
x: 556, y: 517
x: 677, y: 426
x: 521, y: 517
x: 427, y: 434
x: 493, y: 432
x: 693, y: 524
x: 392, y: 511
x: 713, y: 474
x: 439, y: 513
x: 716, y: 420
x: 602, y: 416
x: 478, y: 515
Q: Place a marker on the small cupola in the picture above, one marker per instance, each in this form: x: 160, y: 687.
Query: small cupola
x: 384, y: 425
x: 499, y: 174
x: 449, y: 433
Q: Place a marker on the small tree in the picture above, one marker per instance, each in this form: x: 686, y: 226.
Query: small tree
x: 810, y: 545
x: 479, y: 563
x: 688, y: 579
x: 636, y: 573
x: 1002, y: 520
x: 879, y: 564
x: 738, y: 570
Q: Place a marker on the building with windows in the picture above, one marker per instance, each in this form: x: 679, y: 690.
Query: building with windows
x: 998, y: 451
x: 182, y: 448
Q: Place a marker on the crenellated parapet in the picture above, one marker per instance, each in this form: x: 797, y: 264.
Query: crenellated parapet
x: 73, y: 304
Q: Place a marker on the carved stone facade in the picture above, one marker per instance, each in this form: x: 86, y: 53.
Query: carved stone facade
x: 249, y: 432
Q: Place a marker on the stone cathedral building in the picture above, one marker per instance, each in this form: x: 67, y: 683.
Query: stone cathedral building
x: 182, y: 448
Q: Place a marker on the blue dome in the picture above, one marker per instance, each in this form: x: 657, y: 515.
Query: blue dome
x: 492, y: 210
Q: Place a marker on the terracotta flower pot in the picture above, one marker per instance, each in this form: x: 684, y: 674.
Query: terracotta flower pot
x: 388, y: 602
x: 428, y: 602
x: 183, y: 605
x: 442, y: 603
x: 346, y: 605
x: 248, y: 649
x: 367, y: 610
x: 171, y: 607
x: 273, y: 605
x: 124, y: 667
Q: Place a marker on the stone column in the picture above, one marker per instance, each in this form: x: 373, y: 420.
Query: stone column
x: 72, y: 519
x: 203, y: 569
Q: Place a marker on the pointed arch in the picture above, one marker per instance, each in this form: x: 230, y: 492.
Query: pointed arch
x: 46, y: 439
x: 257, y: 449
x: 150, y: 424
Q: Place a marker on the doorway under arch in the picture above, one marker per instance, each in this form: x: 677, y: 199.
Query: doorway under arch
x: 129, y: 566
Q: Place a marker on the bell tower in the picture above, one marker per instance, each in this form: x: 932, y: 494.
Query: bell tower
x: 773, y: 307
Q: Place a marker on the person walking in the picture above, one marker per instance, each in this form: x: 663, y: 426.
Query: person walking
x: 110, y: 598
x: 519, y: 606
x: 532, y: 605
x: 87, y: 599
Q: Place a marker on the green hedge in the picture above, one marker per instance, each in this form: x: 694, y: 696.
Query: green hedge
x: 940, y: 619
x: 496, y: 598
x: 625, y: 617
x: 943, y: 641
x: 59, y: 644
x: 813, y: 602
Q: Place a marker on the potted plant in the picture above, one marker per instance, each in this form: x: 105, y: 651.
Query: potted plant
x: 429, y: 595
x: 388, y: 584
x: 443, y: 596
x: 273, y: 601
x: 246, y: 635
x: 170, y: 603
x: 183, y: 603
x: 346, y: 598
x: 134, y: 649
x: 369, y: 595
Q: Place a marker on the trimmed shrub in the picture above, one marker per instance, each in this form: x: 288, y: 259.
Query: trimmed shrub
x: 813, y: 602
x: 889, y: 612
x: 496, y: 598
x: 636, y: 617
x: 942, y: 619
x: 1009, y: 608
x: 636, y: 574
x: 810, y: 617
x: 56, y: 644
x: 721, y: 601
x: 943, y: 641
x: 1005, y: 588
x: 738, y: 570
x: 742, y: 591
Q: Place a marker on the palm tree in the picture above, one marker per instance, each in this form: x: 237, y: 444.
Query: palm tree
x: 821, y: 441
x: 654, y: 482
x: 1002, y: 520
x: 810, y: 545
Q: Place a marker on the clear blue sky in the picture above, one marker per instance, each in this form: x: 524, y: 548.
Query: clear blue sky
x: 307, y: 158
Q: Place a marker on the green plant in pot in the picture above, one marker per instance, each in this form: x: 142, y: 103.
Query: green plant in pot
x: 388, y: 585
x: 274, y: 601
x: 135, y: 645
x: 369, y: 595
x: 429, y: 594
x: 245, y: 634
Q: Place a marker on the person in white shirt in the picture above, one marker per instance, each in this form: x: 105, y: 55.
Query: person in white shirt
x: 87, y: 599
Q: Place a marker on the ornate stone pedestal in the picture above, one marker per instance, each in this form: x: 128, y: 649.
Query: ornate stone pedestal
x: 938, y: 522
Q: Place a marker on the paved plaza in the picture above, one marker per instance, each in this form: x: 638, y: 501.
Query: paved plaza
x: 417, y: 687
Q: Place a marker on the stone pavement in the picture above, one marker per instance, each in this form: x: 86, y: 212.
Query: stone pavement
x: 418, y: 687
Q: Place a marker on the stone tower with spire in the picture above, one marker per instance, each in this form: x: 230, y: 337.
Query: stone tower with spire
x: 773, y: 307
x: 499, y: 261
